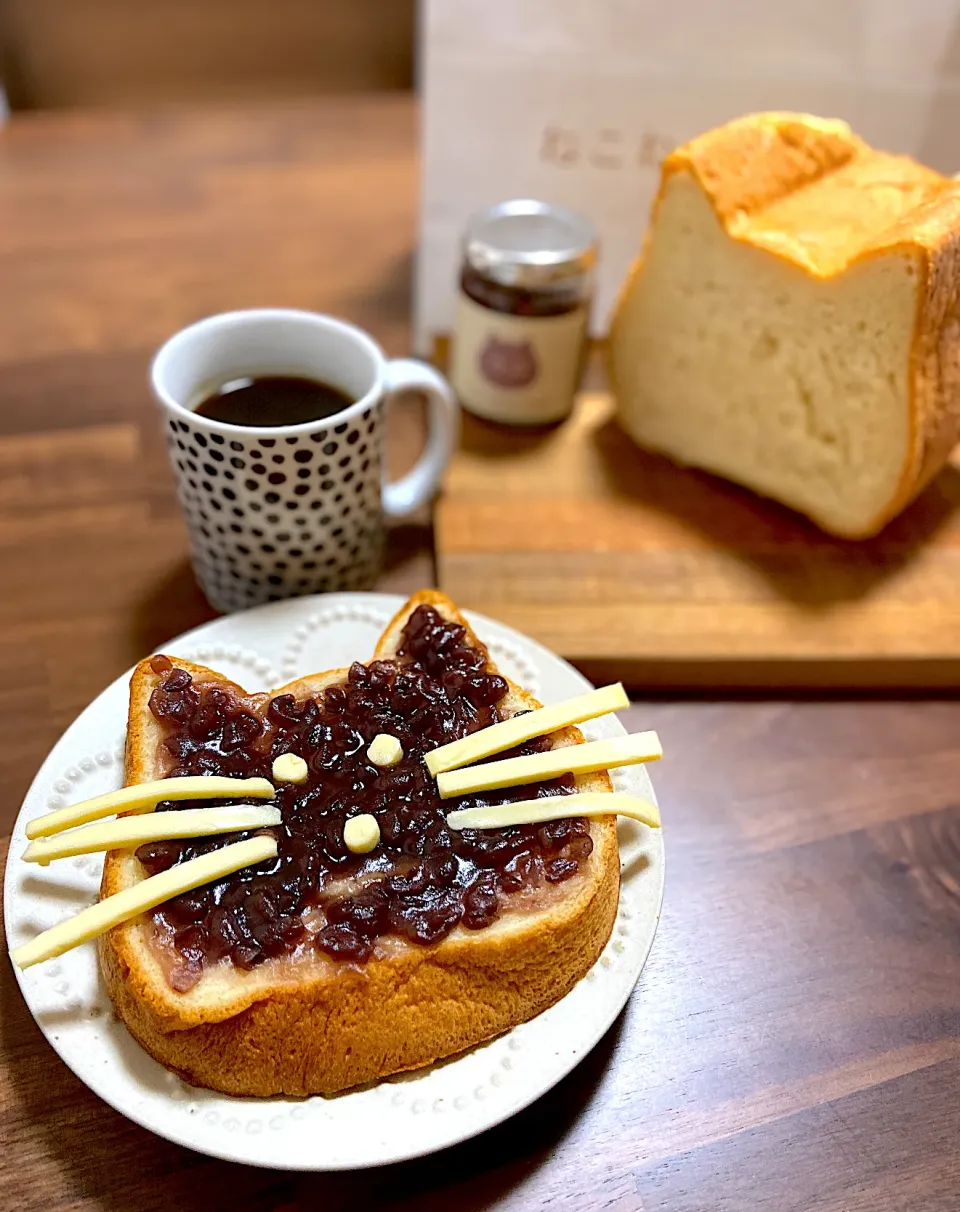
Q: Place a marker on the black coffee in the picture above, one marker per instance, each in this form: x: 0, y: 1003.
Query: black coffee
x: 271, y: 400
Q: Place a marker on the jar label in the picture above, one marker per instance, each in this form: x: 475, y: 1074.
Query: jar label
x: 521, y: 370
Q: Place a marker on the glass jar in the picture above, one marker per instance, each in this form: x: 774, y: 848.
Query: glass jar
x: 526, y: 283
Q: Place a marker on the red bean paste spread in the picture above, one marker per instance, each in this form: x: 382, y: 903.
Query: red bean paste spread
x: 423, y: 879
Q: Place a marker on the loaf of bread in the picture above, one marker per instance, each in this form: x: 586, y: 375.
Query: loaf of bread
x: 309, y: 1024
x: 791, y: 323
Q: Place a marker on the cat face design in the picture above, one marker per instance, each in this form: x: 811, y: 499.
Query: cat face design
x: 508, y: 363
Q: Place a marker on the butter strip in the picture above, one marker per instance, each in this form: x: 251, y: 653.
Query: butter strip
x: 522, y: 728
x: 555, y: 808
x: 568, y: 759
x: 131, y: 831
x: 144, y: 797
x: 147, y: 894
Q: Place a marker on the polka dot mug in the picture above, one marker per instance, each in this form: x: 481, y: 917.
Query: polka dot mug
x: 293, y: 509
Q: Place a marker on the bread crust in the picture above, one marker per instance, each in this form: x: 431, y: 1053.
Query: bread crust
x: 325, y: 1028
x: 750, y: 167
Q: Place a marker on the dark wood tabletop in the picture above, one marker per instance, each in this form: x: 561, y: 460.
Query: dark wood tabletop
x: 794, y: 1041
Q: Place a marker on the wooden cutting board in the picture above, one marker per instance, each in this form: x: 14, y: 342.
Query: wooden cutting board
x: 634, y: 568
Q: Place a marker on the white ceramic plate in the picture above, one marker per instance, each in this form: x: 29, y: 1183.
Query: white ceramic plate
x: 401, y: 1117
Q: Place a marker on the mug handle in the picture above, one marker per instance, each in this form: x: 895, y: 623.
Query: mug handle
x: 403, y: 496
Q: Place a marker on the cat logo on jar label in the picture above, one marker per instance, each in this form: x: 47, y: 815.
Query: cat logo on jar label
x: 508, y: 363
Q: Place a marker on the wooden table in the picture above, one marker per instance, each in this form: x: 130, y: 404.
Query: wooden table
x: 794, y: 1042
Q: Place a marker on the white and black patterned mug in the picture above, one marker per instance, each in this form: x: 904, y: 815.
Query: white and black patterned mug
x: 292, y: 509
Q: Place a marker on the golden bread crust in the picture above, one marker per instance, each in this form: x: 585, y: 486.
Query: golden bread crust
x: 324, y: 1029
x: 810, y: 191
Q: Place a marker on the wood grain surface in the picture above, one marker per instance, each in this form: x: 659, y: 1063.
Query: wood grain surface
x: 636, y: 569
x: 794, y: 1043
x: 112, y: 53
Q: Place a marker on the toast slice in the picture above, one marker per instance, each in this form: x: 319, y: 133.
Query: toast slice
x: 309, y: 1023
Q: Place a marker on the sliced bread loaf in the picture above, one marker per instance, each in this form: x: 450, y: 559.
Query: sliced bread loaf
x: 792, y: 322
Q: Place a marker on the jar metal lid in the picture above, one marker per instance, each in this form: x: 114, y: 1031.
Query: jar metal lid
x: 530, y: 244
